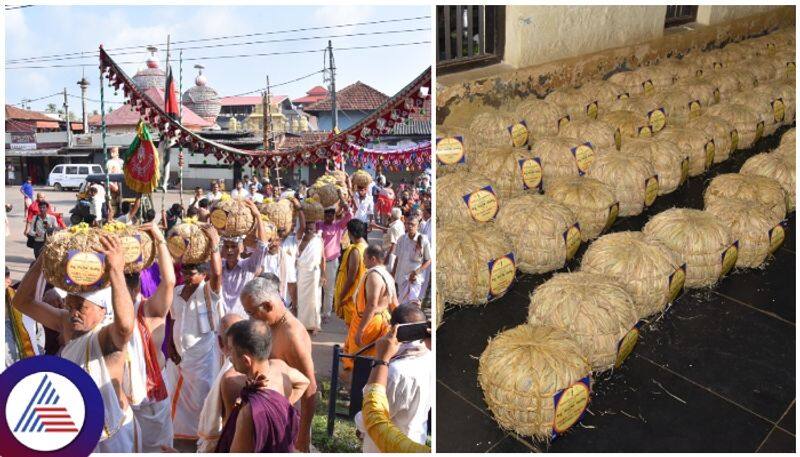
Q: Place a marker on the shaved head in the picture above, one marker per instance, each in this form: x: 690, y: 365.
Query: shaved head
x: 228, y: 320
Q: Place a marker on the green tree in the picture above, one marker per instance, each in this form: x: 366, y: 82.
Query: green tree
x: 51, y: 108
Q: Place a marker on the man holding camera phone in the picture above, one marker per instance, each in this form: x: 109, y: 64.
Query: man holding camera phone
x: 42, y: 226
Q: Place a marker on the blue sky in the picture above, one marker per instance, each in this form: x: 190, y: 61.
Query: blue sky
x: 48, y: 30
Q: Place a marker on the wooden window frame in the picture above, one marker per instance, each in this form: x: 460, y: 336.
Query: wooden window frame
x: 675, y: 21
x: 470, y: 61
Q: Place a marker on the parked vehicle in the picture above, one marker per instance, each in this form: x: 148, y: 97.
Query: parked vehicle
x: 71, y: 176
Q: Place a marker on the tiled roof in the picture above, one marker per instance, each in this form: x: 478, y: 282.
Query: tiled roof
x: 303, y: 139
x: 313, y: 95
x: 125, y: 115
x: 250, y: 100
x: 317, y: 90
x: 355, y: 97
x: 12, y: 112
x: 414, y: 127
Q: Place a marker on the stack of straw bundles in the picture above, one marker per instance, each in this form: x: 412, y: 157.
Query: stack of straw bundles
x: 463, y: 197
x: 562, y: 156
x: 668, y: 161
x: 595, y: 309
x: 545, y: 234
x: 231, y: 217
x: 451, y: 149
x: 523, y: 369
x: 542, y: 117
x: 789, y: 137
x: 758, y: 231
x: 643, y: 80
x: 763, y: 68
x: 71, y: 261
x: 725, y: 83
x: 602, y: 136
x: 707, y: 62
x: 721, y: 131
x: 705, y: 243
x: 652, y: 273
x: 678, y: 106
x: 650, y: 107
x: 341, y: 177
x: 628, y: 124
x: 682, y: 69
x: 747, y: 79
x: 700, y: 91
x: 784, y: 62
x: 312, y: 210
x: 779, y: 167
x: 592, y: 202
x: 749, y: 127
x: 493, y: 128
x: 250, y: 240
x: 576, y: 103
x: 695, y: 143
x: 781, y: 96
x: 761, y: 104
x: 139, y: 245
x: 281, y: 213
x: 605, y: 93
x: 474, y: 263
x: 513, y: 171
x: 328, y: 194
x: 187, y: 243
x: 360, y: 179
x: 763, y: 191
x: 631, y: 179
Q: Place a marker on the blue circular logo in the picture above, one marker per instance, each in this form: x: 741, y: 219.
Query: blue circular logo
x: 51, y: 407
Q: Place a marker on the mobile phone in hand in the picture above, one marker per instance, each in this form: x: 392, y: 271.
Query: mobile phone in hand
x: 413, y: 332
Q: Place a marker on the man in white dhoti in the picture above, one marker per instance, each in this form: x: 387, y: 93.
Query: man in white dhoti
x: 426, y: 228
x: 281, y: 260
x: 413, y: 258
x: 236, y: 272
x: 93, y: 342
x: 197, y: 309
x: 310, y: 270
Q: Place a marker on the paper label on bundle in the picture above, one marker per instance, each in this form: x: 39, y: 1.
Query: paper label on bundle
x: 177, y: 245
x: 570, y: 404
x: 591, y: 110
x: 648, y: 88
x: 563, y: 122
x: 626, y: 345
x: 482, y: 204
x: 650, y: 190
x: 613, y: 212
x: 450, y: 150
x: 645, y: 132
x: 519, y: 134
x: 776, y: 236
x: 728, y: 258
x: 771, y: 47
x: 572, y: 240
x: 676, y: 281
x: 584, y: 156
x: 617, y: 139
x: 684, y: 170
x: 710, y: 150
x: 790, y: 69
x: 759, y: 130
x: 694, y: 108
x: 623, y: 96
x: 531, y: 173
x: 717, y: 65
x: 219, y: 218
x: 132, y: 246
x: 501, y: 274
x: 85, y: 268
x: 778, y: 110
x: 716, y: 95
x: 699, y: 72
x: 657, y: 119
x: 734, y: 140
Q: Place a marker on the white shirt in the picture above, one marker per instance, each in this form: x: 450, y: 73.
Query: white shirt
x: 271, y: 263
x: 364, y: 208
x: 396, y: 230
x: 212, y: 197
x: 425, y: 228
x: 191, y: 321
x: 240, y: 193
x: 409, y: 258
x: 257, y: 197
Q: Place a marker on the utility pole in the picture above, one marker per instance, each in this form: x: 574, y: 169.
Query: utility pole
x: 84, y: 84
x: 332, y: 66
x: 66, y: 116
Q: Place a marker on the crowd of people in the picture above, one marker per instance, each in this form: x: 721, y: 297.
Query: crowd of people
x: 217, y: 356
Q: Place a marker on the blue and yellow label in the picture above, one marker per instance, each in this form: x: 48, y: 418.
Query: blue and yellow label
x: 450, y: 150
x: 650, y: 190
x: 591, y: 110
x: 501, y: 274
x: 482, y: 204
x: 570, y: 405
x: 584, y: 156
x: 531, y: 170
x: 572, y: 240
x: 519, y: 134
x: 613, y: 212
x: 562, y: 122
x: 657, y: 119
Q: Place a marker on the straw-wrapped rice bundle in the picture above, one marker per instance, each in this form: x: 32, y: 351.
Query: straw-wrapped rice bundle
x: 763, y: 191
x: 695, y: 143
x: 781, y: 96
x: 644, y: 80
x: 747, y: 79
x: 648, y: 270
x: 669, y: 162
x: 328, y: 195
x: 576, y: 103
x: 139, y: 248
x: 763, y: 68
x: 451, y: 149
x: 602, y: 136
x: 784, y: 63
x: 71, y: 261
x: 756, y: 228
x: 703, y: 242
x: 520, y: 372
x: 699, y: 90
x: 596, y: 309
x: 761, y: 104
x: 734, y: 53
x: 312, y: 210
x: 649, y: 107
x: 360, y: 179
x: 562, y: 156
x: 631, y: 179
x: 188, y: 244
x: 590, y: 200
x: 472, y: 263
x: 461, y: 112
x: 775, y: 166
x: 724, y: 82
x: 545, y: 234
x: 789, y: 137
x: 513, y: 170
x: 542, y: 117
x: 250, y: 240
x: 231, y: 217
x: 721, y: 131
x: 493, y: 128
x: 682, y: 69
x: 708, y: 61
x: 605, y: 92
x: 281, y: 213
x: 678, y: 106
x: 628, y: 123
x: 451, y: 206
x: 746, y: 120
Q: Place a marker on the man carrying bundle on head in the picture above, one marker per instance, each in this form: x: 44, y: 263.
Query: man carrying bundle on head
x: 196, y: 308
x: 374, y: 299
x: 290, y: 342
x: 236, y: 272
x: 281, y: 261
x: 332, y: 228
x: 93, y: 342
x: 351, y: 270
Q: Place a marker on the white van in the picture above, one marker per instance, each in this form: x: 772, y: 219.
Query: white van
x: 71, y: 175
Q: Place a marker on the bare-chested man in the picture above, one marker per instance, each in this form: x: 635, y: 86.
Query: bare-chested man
x: 97, y: 346
x: 291, y: 343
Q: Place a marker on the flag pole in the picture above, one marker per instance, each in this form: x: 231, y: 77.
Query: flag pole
x: 103, y: 136
x: 180, y: 115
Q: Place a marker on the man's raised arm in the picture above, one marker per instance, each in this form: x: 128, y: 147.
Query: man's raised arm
x: 25, y: 300
x: 159, y: 303
x: 115, y: 336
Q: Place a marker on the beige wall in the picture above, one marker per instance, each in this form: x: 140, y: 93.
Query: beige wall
x: 714, y: 14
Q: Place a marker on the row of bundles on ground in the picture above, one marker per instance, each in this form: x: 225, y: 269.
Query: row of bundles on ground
x: 520, y: 187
